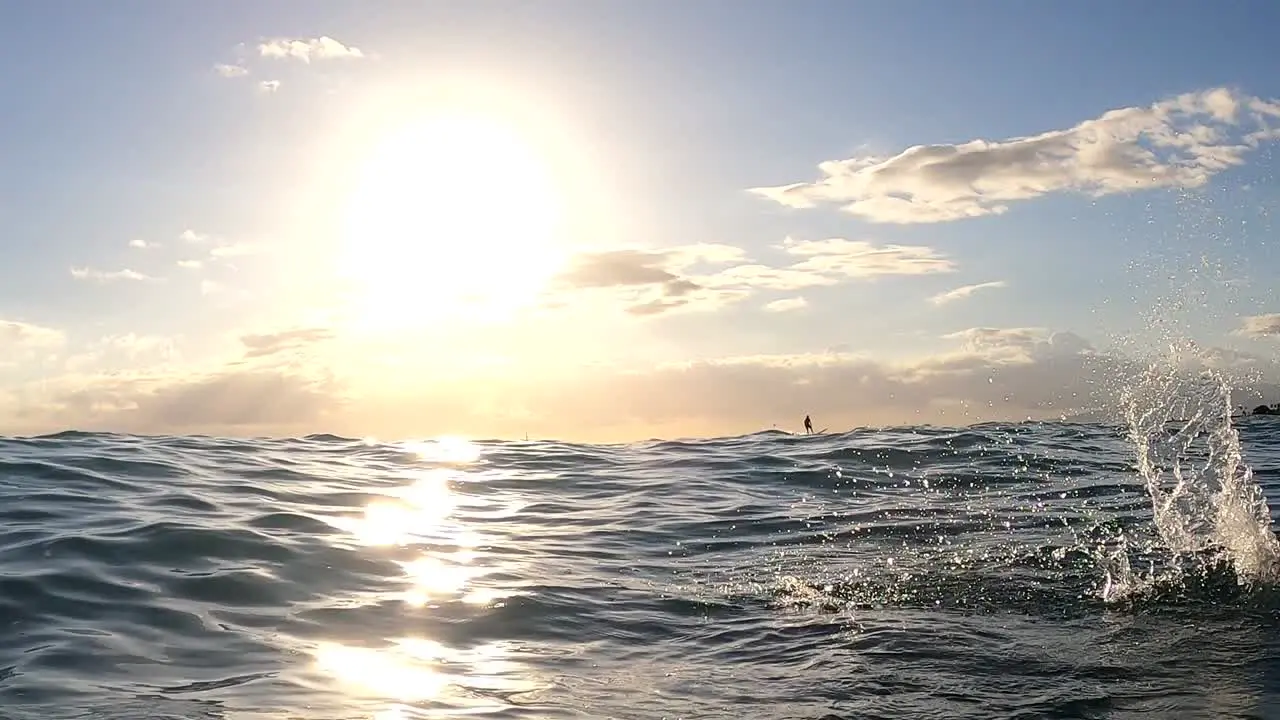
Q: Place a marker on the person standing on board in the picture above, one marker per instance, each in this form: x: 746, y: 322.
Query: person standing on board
x: 808, y: 425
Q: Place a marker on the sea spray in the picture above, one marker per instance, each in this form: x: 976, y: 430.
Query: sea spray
x: 1206, y: 506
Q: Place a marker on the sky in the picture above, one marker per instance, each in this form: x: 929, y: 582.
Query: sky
x: 613, y: 221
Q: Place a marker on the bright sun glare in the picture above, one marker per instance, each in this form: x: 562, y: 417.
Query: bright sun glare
x: 454, y: 215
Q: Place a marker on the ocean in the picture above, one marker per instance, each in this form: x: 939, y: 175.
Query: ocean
x: 1025, y: 570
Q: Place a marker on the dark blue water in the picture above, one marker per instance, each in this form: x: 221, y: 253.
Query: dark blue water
x: 998, y: 571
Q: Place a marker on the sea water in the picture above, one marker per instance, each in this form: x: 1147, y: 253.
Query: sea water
x: 1027, y: 570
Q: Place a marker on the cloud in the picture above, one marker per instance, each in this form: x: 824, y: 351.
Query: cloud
x: 190, y: 264
x: 963, y: 291
x: 646, y: 282
x: 617, y: 267
x: 307, y: 49
x: 279, y: 386
x: 1177, y: 142
x: 1258, y: 326
x: 264, y: 391
x: 230, y: 71
x: 219, y: 247
x: 837, y: 257
x: 85, y: 273
x: 140, y: 244
x: 710, y: 277
x: 304, y: 50
x: 264, y: 344
x: 15, y: 335
x: 232, y: 400
x: 786, y: 304
x: 992, y: 374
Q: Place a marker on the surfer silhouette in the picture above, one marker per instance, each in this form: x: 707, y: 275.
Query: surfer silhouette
x: 808, y: 425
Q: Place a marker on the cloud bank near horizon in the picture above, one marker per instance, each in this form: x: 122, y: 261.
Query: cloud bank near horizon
x: 285, y: 384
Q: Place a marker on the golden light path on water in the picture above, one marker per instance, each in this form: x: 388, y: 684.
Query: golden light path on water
x: 423, y: 515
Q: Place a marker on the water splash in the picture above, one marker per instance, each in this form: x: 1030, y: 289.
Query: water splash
x: 1206, y: 506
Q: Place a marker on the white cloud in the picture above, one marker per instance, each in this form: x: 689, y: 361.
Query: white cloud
x: 230, y: 71
x: 209, y: 287
x: 1258, y: 326
x: 307, y: 49
x: 140, y: 244
x: 787, y: 304
x: 218, y: 247
x: 658, y: 281
x: 836, y: 257
x: 190, y: 264
x: 86, y: 273
x: 1177, y: 142
x: 1016, y: 344
x: 269, y: 86
x: 15, y: 335
x: 963, y: 291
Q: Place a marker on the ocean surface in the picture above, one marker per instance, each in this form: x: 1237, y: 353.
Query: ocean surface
x: 1030, y: 570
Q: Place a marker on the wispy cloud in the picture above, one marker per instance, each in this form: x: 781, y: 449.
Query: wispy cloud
x: 1178, y: 142
x: 709, y: 277
x: 297, y: 339
x: 303, y: 50
x: 140, y: 244
x: 230, y: 71
x: 837, y: 257
x: 86, y: 273
x: 217, y: 248
x: 307, y: 49
x: 20, y: 335
x: 787, y: 304
x: 963, y: 291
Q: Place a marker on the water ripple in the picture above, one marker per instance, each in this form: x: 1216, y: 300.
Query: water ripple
x: 896, y: 572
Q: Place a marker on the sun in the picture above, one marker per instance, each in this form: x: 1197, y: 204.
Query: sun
x: 454, y: 216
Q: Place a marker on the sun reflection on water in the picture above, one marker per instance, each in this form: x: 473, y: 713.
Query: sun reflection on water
x: 448, y: 449
x: 404, y: 515
x: 433, y: 576
x: 440, y: 528
x: 415, y: 670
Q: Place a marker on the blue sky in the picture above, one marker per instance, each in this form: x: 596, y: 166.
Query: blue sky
x: 656, y: 119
